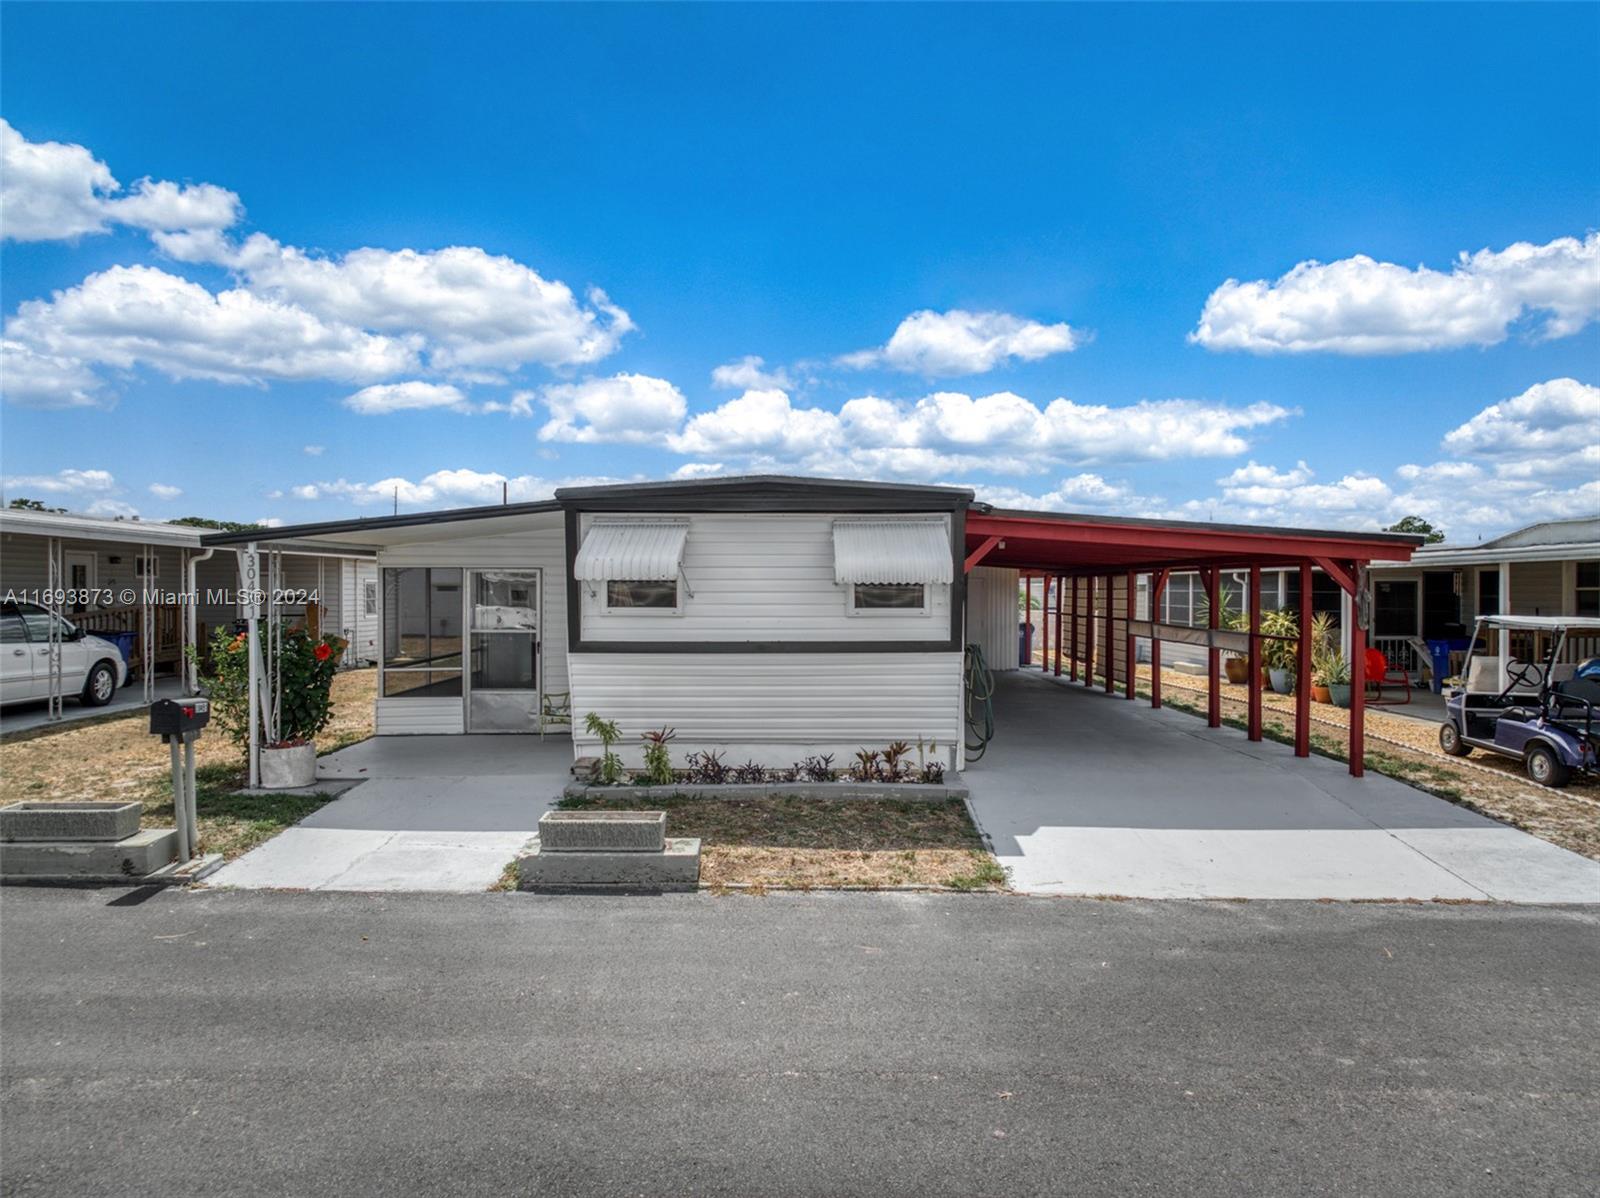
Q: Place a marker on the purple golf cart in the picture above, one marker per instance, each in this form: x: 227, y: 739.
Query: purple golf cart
x: 1540, y: 712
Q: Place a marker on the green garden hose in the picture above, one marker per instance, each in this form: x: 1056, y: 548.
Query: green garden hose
x: 979, y: 704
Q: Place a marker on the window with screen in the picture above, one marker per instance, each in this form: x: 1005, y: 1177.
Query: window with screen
x: 889, y: 596
x: 1588, y: 596
x: 422, y: 632
x: 624, y: 594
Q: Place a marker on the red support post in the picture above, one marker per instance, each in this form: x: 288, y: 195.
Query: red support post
x: 1253, y: 687
x: 1158, y: 584
x: 1027, y: 618
x: 1127, y: 628
x: 1088, y: 631
x: 1213, y: 654
x: 1302, y: 674
x: 1060, y: 607
x: 1358, y: 695
x: 1111, y: 653
x: 1072, y: 658
x: 1044, y: 622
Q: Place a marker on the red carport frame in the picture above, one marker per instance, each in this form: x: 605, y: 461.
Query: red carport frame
x: 1070, y: 548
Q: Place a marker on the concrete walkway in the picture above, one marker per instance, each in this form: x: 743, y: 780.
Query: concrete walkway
x: 442, y: 813
x: 1085, y: 794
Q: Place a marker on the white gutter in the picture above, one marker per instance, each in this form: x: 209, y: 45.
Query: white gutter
x: 191, y: 618
x: 1446, y: 558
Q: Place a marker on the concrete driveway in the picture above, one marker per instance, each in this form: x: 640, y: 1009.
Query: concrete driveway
x: 1085, y: 794
x: 436, y: 813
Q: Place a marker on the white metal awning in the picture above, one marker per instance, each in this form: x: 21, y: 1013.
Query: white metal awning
x: 636, y: 550
x: 893, y: 551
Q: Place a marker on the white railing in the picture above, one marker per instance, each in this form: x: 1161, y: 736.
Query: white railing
x: 1399, y: 652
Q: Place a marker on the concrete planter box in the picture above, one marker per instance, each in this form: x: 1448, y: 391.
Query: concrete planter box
x: 133, y: 857
x: 69, y: 821
x: 288, y: 768
x: 603, y: 831
x: 675, y: 867
x: 907, y: 792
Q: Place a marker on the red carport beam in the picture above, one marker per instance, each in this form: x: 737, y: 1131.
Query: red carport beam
x: 1213, y: 654
x: 1302, y: 673
x: 1072, y: 657
x: 1111, y: 634
x: 1158, y: 585
x: 1127, y: 626
x: 1253, y: 689
x: 1060, y: 607
x: 978, y: 554
x: 1348, y: 575
x: 1088, y: 631
x: 1044, y: 620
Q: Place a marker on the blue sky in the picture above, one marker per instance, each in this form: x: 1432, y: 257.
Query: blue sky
x: 1045, y: 251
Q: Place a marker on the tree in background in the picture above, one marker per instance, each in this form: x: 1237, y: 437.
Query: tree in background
x: 1417, y: 525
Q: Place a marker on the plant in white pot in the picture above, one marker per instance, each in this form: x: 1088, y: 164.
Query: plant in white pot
x: 306, y: 666
x: 1280, y: 648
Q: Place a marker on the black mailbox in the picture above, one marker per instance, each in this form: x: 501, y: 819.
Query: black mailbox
x: 178, y: 717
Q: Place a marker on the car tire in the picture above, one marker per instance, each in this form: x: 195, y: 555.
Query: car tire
x: 1450, y: 740
x: 1545, y: 768
x: 100, y: 685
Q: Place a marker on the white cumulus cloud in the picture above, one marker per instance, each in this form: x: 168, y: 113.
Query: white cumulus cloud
x: 410, y: 396
x: 130, y: 316
x: 165, y: 490
x: 958, y: 342
x: 1361, y: 306
x: 633, y: 408
x: 54, y: 190
x: 750, y: 373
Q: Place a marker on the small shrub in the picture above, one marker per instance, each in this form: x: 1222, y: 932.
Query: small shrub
x: 608, y: 734
x: 657, y: 757
x: 932, y: 772
x: 749, y: 773
x: 706, y: 769
x: 817, y: 769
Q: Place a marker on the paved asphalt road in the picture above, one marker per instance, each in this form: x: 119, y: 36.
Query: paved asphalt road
x: 342, y: 1044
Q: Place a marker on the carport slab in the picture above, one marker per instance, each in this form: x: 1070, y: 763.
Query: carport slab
x: 440, y: 813
x: 1086, y: 794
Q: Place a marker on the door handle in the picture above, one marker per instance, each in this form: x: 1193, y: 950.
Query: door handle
x: 19, y: 653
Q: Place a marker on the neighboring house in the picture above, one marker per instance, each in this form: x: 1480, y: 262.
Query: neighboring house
x: 1547, y: 569
x: 108, y: 569
x: 764, y: 618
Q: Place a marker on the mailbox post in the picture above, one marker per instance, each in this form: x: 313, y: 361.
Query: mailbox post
x: 178, y: 723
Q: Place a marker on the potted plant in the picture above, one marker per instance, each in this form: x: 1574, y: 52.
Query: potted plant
x: 1337, y: 673
x: 1322, y: 653
x: 306, y: 666
x: 1281, y: 648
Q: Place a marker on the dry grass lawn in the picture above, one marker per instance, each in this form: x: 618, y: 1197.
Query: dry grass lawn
x: 804, y: 844
x: 118, y: 759
x: 1408, y: 749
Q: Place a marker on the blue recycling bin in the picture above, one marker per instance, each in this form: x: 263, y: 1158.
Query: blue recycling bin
x: 1439, y: 650
x: 123, y: 641
x: 1024, y: 642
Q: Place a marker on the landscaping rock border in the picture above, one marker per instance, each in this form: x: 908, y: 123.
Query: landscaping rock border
x: 909, y: 792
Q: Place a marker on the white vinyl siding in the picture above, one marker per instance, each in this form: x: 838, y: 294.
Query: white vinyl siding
x: 764, y: 577
x: 1536, y: 589
x: 771, y: 707
x: 993, y: 613
x: 542, y: 547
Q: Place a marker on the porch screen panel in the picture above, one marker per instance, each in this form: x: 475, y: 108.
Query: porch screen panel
x: 422, y: 635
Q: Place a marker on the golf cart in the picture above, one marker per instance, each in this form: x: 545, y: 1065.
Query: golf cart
x: 1540, y: 713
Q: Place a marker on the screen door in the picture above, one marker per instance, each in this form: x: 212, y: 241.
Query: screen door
x: 503, y: 651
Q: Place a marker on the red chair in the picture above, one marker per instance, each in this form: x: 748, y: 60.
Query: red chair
x: 1381, y: 674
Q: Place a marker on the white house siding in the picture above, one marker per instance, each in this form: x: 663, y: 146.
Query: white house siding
x: 763, y: 577
x: 770, y: 707
x: 359, y: 628
x: 992, y: 615
x: 538, y: 548
x: 24, y: 565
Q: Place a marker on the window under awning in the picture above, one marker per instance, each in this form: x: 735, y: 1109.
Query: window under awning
x: 642, y: 550
x: 891, y: 551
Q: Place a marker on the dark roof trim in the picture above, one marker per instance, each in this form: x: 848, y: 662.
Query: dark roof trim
x: 1257, y: 530
x: 764, y: 493
x: 292, y: 532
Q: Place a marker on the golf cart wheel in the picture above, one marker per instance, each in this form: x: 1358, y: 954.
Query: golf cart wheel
x: 1450, y: 740
x: 100, y: 685
x: 1545, y: 768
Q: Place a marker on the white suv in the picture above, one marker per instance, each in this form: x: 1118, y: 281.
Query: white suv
x: 91, y: 667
